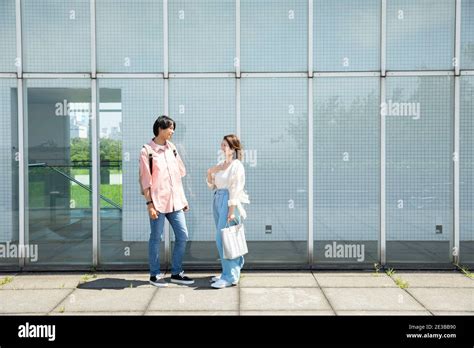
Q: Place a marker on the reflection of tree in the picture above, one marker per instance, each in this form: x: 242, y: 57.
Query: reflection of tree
x: 110, y: 150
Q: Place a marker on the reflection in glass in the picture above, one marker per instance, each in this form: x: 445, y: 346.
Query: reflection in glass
x: 59, y: 157
x: 346, y: 170
x: 419, y: 168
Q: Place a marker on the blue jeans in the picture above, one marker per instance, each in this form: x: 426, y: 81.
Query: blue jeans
x: 230, y: 268
x: 178, y: 222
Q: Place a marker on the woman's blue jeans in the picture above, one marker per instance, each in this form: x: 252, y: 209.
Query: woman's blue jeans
x: 230, y: 268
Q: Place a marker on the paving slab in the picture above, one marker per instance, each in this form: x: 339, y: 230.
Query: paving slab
x: 445, y: 299
x: 359, y: 299
x: 30, y: 301
x: 436, y: 280
x: 50, y: 281
x: 287, y: 313
x: 106, y: 300
x: 331, y: 281
x: 382, y: 313
x: 193, y: 313
x: 299, y: 281
x: 270, y: 299
x: 195, y: 299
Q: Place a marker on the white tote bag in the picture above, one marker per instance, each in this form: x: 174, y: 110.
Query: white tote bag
x: 233, y: 241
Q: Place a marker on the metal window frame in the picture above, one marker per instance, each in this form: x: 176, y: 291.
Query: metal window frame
x: 310, y: 37
x: 23, y: 233
x: 19, y: 38
x: 129, y: 76
x: 310, y: 247
x: 166, y: 228
x: 455, y: 252
x: 237, y: 38
x: 420, y: 73
x: 383, y: 233
x: 383, y: 38
x: 457, y: 39
x: 95, y: 180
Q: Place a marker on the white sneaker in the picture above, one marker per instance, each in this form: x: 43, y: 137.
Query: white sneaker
x: 220, y: 284
x: 215, y: 279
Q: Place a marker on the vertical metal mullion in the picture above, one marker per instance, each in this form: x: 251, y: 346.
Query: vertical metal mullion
x: 237, y: 38
x: 237, y: 108
x: 93, y: 39
x: 310, y: 174
x: 383, y: 38
x: 382, y: 237
x: 95, y: 176
x: 19, y: 40
x: 167, y: 224
x: 310, y: 38
x: 22, y: 171
x: 165, y: 39
x: 455, y: 253
x: 457, y: 40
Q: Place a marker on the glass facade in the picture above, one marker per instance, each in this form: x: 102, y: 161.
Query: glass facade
x: 349, y: 128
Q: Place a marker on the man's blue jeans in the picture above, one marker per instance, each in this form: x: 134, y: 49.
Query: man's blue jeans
x: 178, y: 223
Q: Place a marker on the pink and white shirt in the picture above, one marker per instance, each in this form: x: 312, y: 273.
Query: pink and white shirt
x: 167, y: 190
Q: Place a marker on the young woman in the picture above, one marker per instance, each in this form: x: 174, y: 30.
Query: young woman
x: 228, y: 179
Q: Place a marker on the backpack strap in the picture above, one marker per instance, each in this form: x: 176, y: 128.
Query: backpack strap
x: 149, y: 151
x: 175, y: 152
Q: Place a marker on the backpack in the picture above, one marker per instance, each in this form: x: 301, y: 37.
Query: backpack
x: 150, y: 152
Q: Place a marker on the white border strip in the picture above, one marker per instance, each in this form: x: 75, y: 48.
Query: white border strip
x: 93, y: 39
x: 467, y: 72
x: 383, y: 236
x: 8, y: 75
x: 310, y: 175
x: 237, y: 38
x: 55, y: 76
x: 165, y: 39
x: 383, y: 38
x: 95, y: 176
x: 199, y: 75
x: 456, y: 197
x: 19, y: 40
x: 237, y: 108
x: 22, y: 171
x: 130, y: 76
x: 420, y: 73
x: 457, y: 44
x: 310, y: 38
x: 275, y: 74
x: 347, y: 74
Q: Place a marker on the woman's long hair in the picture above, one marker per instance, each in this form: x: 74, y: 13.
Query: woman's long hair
x: 234, y: 144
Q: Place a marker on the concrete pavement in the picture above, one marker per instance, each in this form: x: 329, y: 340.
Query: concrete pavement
x: 258, y: 293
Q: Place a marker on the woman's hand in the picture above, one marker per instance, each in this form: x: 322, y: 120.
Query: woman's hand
x: 152, y: 212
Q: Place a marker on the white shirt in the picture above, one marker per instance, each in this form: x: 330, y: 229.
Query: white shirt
x: 233, y: 179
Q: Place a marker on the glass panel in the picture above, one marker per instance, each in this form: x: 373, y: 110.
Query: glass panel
x: 420, y: 34
x: 346, y: 35
x: 9, y: 173
x: 128, y: 109
x: 204, y: 111
x: 274, y: 116
x: 467, y: 34
x: 8, y: 36
x: 274, y: 35
x: 201, y: 35
x: 129, y: 36
x: 419, y: 169
x: 346, y: 169
x: 56, y: 35
x: 59, y: 157
x: 466, y: 188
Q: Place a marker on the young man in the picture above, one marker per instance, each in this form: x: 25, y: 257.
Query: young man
x: 164, y: 194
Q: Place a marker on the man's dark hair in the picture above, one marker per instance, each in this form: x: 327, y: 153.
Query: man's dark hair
x: 163, y: 122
